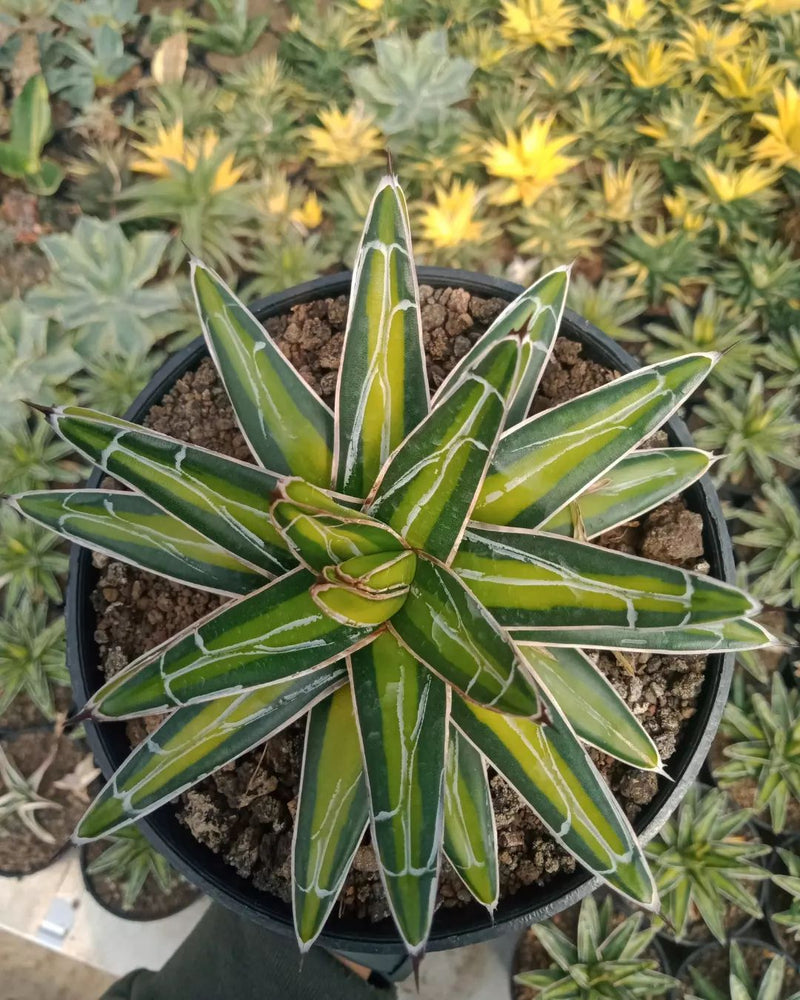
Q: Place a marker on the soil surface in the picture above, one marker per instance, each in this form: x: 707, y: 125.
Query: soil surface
x: 23, y: 713
x: 716, y: 967
x: 246, y: 810
x: 151, y: 903
x: 530, y: 956
x: 20, y: 851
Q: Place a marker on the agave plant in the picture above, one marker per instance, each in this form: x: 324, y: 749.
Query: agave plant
x: 741, y: 984
x: 702, y: 863
x: 21, y: 799
x: 765, y: 749
x: 129, y: 860
x: 405, y: 572
x: 790, y: 883
x: 606, y: 958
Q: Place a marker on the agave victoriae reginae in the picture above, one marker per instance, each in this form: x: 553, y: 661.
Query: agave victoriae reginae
x: 405, y: 572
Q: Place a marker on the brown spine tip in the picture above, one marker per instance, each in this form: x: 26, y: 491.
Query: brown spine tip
x: 85, y: 715
x: 416, y: 962
x: 389, y: 164
x: 46, y: 410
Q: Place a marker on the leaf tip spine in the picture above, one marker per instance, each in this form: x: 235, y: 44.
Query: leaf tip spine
x: 48, y: 411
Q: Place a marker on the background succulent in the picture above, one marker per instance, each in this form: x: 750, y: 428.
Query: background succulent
x: 129, y: 861
x: 436, y: 514
x: 789, y: 882
x: 742, y: 983
x: 32, y: 655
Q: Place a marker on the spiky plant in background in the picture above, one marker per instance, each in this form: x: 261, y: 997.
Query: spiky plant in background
x: 741, y: 982
x: 605, y: 957
x: 30, y: 561
x: 351, y: 604
x: 31, y: 655
x: 774, y: 532
x: 789, y: 882
x: 702, y: 863
x: 21, y: 801
x: 763, y: 747
x: 129, y: 861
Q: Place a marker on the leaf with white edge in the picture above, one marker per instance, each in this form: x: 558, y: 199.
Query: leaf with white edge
x: 350, y: 605
x: 428, y: 487
x: 543, y: 463
x: 636, y: 484
x: 402, y: 712
x: 534, y: 318
x: 129, y: 527
x: 382, y: 392
x: 546, y: 764
x: 470, y: 837
x: 531, y: 580
x: 717, y: 637
x: 448, y: 630
x: 591, y: 705
x: 195, y: 741
x: 332, y: 813
x: 288, y: 427
x: 225, y: 500
x: 274, y: 634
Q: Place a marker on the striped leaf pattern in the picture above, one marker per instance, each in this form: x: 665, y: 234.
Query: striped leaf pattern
x: 274, y: 634
x: 127, y: 526
x: 332, y: 812
x: 428, y: 487
x: 402, y: 712
x: 197, y: 740
x: 534, y: 318
x: 288, y: 427
x: 470, y: 837
x: 445, y: 628
x: 225, y: 500
x: 529, y: 580
x: 591, y: 705
x: 550, y: 770
x: 542, y: 464
x: 636, y: 484
x: 717, y: 637
x: 382, y: 393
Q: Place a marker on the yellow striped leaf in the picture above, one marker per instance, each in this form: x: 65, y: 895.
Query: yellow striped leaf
x: 542, y: 464
x: 197, y: 740
x: 274, y: 634
x: 382, y: 392
x: 546, y: 764
x: 402, y: 712
x: 225, y: 500
x: 129, y: 527
x: 288, y: 427
x: 332, y: 813
x: 591, y: 705
x: 428, y: 487
x: 443, y: 625
x: 636, y: 484
x: 470, y: 838
x: 528, y: 580
x: 716, y: 637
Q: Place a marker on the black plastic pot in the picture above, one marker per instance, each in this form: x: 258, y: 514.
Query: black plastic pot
x: 701, y: 956
x: 452, y: 927
x: 118, y: 911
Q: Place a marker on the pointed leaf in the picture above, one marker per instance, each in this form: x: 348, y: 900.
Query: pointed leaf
x: 428, y: 487
x: 470, y: 837
x: 129, y: 527
x: 534, y: 318
x: 195, y: 741
x: 225, y: 500
x: 717, y: 637
x: 276, y: 633
x: 332, y: 813
x: 351, y: 605
x: 382, y: 393
x: 31, y: 124
x: 530, y: 580
x: 590, y: 704
x: 636, y: 484
x: 288, y: 427
x: 402, y: 712
x: 548, y: 767
x: 445, y: 628
x: 542, y: 464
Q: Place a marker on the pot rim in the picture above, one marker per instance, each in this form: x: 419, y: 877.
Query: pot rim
x: 454, y: 927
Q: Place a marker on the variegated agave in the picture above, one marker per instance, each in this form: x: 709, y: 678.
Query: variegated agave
x: 405, y: 572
